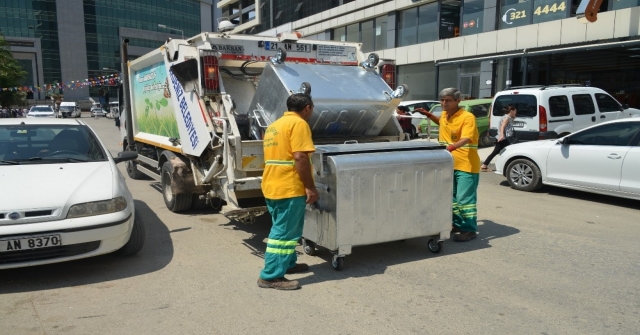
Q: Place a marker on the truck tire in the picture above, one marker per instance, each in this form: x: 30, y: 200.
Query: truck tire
x: 132, y: 170
x: 174, y: 202
x: 137, y: 238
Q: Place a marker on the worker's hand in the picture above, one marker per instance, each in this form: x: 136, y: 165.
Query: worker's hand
x: 500, y: 138
x: 423, y: 111
x: 451, y: 147
x: 312, y: 195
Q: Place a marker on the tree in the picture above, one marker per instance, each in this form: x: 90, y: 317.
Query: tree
x: 10, y: 75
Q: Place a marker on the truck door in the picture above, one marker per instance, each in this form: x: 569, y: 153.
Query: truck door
x: 609, y: 107
x: 584, y: 111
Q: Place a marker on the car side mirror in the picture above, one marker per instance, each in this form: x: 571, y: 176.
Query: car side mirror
x: 564, y: 140
x: 125, y: 156
x: 625, y: 106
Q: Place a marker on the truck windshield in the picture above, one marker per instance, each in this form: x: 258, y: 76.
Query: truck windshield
x: 527, y: 105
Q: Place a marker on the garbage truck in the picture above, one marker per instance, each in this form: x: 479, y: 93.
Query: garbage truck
x: 196, y: 109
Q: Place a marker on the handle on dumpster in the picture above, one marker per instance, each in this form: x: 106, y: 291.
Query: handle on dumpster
x: 315, y: 207
x: 351, y: 142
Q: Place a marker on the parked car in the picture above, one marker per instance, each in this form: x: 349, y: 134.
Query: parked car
x: 41, y: 111
x: 478, y: 107
x: 96, y: 110
x: 546, y: 112
x: 64, y: 198
x: 69, y: 109
x: 417, y: 117
x: 604, y: 159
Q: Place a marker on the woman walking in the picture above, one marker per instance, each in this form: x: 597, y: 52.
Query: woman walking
x: 506, y: 135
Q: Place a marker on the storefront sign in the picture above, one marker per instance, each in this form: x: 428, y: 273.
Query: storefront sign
x: 515, y: 15
x: 21, y: 44
x: 549, y: 10
x: 471, y: 24
x: 621, y: 4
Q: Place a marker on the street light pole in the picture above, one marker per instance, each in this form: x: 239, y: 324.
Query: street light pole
x: 176, y: 29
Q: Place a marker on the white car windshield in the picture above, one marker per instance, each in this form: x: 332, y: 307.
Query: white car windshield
x: 43, y: 144
x: 41, y: 109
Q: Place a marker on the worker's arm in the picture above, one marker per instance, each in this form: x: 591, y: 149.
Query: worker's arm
x: 303, y: 167
x: 431, y: 117
x: 461, y: 143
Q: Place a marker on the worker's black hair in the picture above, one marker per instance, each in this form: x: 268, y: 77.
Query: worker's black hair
x: 297, y: 102
x: 403, y: 108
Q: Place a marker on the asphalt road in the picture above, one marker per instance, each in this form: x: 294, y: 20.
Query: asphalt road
x: 551, y: 262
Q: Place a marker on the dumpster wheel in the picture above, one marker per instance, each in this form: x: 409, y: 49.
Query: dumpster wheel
x: 308, y: 247
x: 435, y: 246
x: 337, y: 262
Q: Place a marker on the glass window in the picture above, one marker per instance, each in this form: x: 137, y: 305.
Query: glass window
x: 616, y: 134
x: 448, y: 77
x: 380, y: 33
x: 340, y: 34
x: 559, y: 106
x: 583, y: 104
x: 472, y: 17
x: 449, y: 20
x: 607, y: 103
x: 527, y: 105
x: 407, y: 29
x: 480, y: 110
x: 428, y: 23
x: 366, y: 29
x: 421, y: 80
x: 353, y: 32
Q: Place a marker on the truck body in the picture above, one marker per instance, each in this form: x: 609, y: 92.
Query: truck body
x: 199, y: 107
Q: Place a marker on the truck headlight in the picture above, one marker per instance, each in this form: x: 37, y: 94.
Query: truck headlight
x: 97, y: 208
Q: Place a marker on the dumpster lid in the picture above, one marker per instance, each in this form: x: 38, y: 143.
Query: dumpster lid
x: 351, y: 148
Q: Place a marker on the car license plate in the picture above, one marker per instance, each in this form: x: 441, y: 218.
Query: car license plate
x: 518, y: 124
x: 33, y: 242
x: 295, y: 47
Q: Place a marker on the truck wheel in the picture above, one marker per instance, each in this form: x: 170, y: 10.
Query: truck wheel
x: 137, y: 238
x: 132, y: 170
x: 175, y: 202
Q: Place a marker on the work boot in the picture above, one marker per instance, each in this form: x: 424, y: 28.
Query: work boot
x: 455, y: 229
x: 464, y: 236
x: 279, y: 284
x: 298, y: 268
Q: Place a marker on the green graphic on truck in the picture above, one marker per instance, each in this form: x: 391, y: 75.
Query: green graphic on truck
x: 152, y: 96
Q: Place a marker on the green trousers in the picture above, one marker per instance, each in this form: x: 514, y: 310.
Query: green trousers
x: 287, y: 216
x: 465, y: 188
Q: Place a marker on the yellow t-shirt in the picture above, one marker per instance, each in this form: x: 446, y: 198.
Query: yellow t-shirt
x: 461, y: 125
x: 288, y: 134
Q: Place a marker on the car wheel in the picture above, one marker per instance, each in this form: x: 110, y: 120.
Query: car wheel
x: 132, y: 170
x: 524, y: 175
x: 485, y: 140
x: 137, y: 238
x: 176, y: 202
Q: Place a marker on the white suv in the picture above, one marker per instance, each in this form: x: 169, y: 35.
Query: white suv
x: 546, y: 112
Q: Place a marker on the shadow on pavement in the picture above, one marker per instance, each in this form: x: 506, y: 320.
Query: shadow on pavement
x: 371, y: 259
x: 155, y: 255
x: 584, y: 195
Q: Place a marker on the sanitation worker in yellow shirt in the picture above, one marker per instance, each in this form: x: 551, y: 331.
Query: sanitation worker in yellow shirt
x: 287, y: 185
x: 458, y: 131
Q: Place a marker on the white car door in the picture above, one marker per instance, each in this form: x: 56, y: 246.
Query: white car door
x: 593, y: 157
x: 609, y: 108
x: 630, y: 179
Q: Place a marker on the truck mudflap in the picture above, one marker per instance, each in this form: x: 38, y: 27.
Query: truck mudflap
x: 245, y: 215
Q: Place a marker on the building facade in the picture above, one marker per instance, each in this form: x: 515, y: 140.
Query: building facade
x: 61, y: 42
x: 479, y: 46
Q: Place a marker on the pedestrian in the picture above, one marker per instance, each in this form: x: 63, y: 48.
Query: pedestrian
x: 459, y: 133
x: 506, y: 135
x: 404, y: 120
x: 115, y: 112
x: 287, y: 185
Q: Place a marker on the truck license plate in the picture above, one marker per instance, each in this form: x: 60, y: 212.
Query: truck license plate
x: 34, y: 242
x: 295, y: 47
x: 518, y: 124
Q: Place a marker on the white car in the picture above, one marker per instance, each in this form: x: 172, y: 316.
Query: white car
x: 63, y: 197
x: 41, y: 111
x: 601, y: 159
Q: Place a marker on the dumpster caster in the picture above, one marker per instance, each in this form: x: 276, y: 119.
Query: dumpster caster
x: 308, y: 247
x: 337, y: 262
x: 434, y: 246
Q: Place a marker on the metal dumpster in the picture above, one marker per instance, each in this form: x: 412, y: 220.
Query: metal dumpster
x: 379, y: 192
